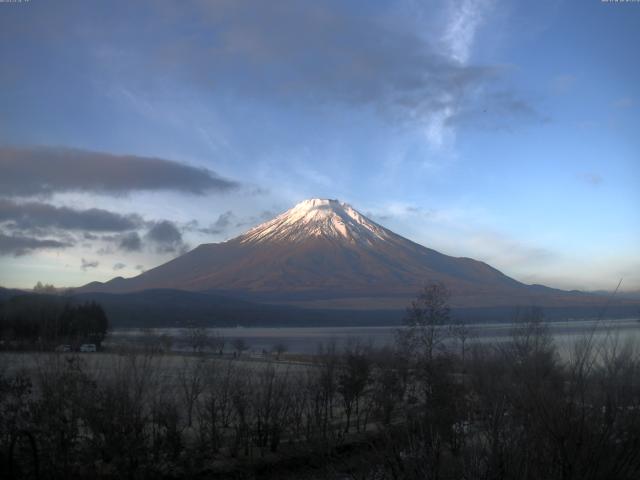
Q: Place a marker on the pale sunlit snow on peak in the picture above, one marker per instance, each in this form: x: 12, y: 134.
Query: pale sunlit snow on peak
x: 322, y: 218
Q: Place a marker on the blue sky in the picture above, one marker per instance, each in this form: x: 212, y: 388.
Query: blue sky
x: 503, y: 131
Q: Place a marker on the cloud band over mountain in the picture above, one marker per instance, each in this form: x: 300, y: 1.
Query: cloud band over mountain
x: 48, y: 170
x: 31, y: 215
x: 19, y: 245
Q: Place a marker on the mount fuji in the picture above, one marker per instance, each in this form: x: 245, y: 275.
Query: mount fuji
x: 325, y: 254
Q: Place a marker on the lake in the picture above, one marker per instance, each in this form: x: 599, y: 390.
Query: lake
x: 308, y: 339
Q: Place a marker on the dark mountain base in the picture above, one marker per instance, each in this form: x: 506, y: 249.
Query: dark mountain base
x: 175, y: 308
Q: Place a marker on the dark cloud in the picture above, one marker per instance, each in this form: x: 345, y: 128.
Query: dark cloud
x: 87, y: 264
x: 334, y: 52
x: 140, y: 268
x: 227, y: 222
x: 222, y: 223
x: 497, y: 110
x: 166, y: 237
x: 46, y: 170
x: 315, y: 53
x: 130, y: 242
x: 19, y: 245
x: 320, y: 53
x: 33, y: 215
x: 119, y: 266
x: 224, y: 220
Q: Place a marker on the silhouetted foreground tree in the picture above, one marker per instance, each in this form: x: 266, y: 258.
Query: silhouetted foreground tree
x: 427, y: 321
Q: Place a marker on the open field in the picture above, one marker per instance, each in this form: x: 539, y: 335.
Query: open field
x: 170, y: 366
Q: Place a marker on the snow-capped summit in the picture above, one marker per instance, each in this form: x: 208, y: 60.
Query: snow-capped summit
x: 316, y: 217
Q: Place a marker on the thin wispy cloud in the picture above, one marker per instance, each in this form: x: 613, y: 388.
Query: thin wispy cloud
x: 462, y: 21
x: 500, y: 249
x: 624, y: 102
x: 563, y: 83
x: 465, y: 232
x: 465, y: 17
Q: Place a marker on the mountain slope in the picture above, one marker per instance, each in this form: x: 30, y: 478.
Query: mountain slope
x: 325, y: 252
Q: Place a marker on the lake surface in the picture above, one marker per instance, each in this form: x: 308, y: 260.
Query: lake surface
x: 309, y: 339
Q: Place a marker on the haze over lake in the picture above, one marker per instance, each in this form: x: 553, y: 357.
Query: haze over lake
x: 307, y: 340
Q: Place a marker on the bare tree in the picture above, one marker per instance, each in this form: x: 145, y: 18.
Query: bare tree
x: 192, y: 382
x: 166, y: 341
x: 353, y: 379
x: 155, y: 342
x: 280, y: 348
x: 218, y: 342
x: 239, y: 345
x: 242, y: 413
x: 390, y: 380
x: 271, y: 402
x: 326, y: 385
x: 462, y: 332
x: 216, y: 409
x: 197, y: 338
x: 425, y: 322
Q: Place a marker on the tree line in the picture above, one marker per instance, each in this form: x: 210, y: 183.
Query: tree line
x: 45, y: 320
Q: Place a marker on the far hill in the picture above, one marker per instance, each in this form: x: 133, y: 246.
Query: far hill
x: 6, y: 293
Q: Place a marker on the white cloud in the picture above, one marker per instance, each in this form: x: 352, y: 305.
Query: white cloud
x: 439, y: 134
x: 465, y: 18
